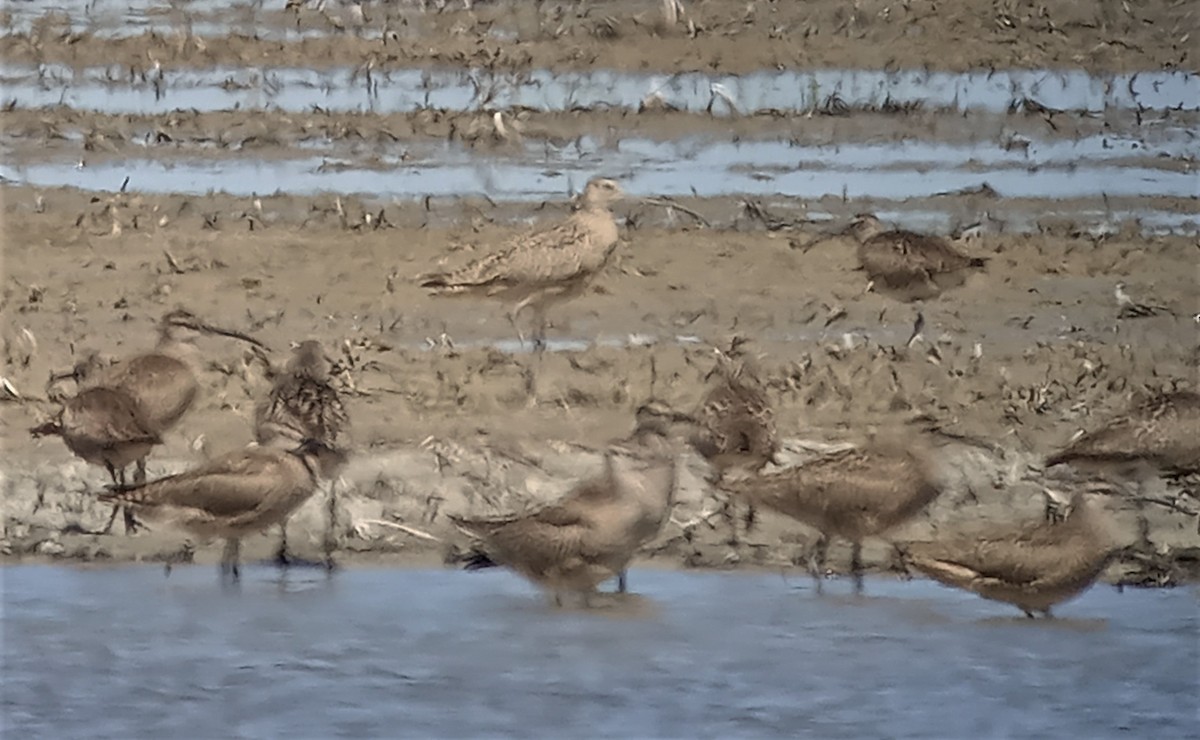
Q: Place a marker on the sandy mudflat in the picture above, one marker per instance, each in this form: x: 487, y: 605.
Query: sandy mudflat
x: 1010, y: 367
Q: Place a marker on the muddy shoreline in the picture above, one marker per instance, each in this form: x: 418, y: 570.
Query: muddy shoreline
x: 444, y: 420
x: 288, y: 173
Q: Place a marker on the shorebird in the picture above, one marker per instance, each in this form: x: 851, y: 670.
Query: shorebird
x: 907, y: 265
x: 543, y: 267
x: 1032, y: 568
x: 734, y: 423
x: 852, y: 494
x: 652, y: 435
x: 104, y: 426
x: 163, y: 381
x: 1131, y: 309
x: 588, y: 536
x: 1162, y: 431
x: 302, y: 405
x: 234, y: 495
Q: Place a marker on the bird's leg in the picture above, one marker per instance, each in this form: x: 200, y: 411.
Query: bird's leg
x: 112, y: 473
x: 108, y: 527
x: 856, y: 567
x: 281, y: 555
x: 331, y: 527
x: 558, y: 599
x: 139, y: 478
x: 751, y: 518
x: 539, y: 331
x: 185, y: 555
x: 132, y: 525
x: 512, y: 319
x: 621, y: 582
x: 1047, y: 613
x: 1029, y: 614
x: 816, y: 560
x: 229, y: 558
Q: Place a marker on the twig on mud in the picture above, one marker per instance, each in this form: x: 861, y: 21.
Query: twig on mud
x: 704, y: 517
x: 403, y: 528
x: 1166, y: 503
x: 668, y: 203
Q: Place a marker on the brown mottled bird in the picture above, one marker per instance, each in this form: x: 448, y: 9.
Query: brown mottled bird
x: 233, y: 495
x: 104, y: 426
x: 733, y: 426
x: 907, y: 265
x: 852, y: 494
x: 1162, y: 431
x: 542, y: 267
x: 302, y: 404
x: 736, y: 424
x: 164, y: 381
x: 1032, y: 568
x: 588, y: 536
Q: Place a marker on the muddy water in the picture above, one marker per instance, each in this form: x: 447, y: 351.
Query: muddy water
x: 125, y: 652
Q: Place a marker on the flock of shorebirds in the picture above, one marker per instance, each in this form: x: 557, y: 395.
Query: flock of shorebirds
x: 120, y: 412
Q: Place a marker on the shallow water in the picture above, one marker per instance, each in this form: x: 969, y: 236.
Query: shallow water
x: 126, y: 652
x: 712, y: 171
x: 403, y: 90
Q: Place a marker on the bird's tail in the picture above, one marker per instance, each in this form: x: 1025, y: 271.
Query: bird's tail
x: 49, y: 428
x: 436, y: 281
x: 477, y: 559
x: 134, y: 494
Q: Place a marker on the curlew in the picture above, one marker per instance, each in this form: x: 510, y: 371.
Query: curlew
x: 104, y: 426
x: 652, y: 436
x: 907, y: 265
x: 239, y: 493
x: 543, y: 267
x: 1032, y: 568
x: 163, y: 381
x: 1162, y: 431
x: 852, y: 494
x: 588, y: 536
x: 303, y: 404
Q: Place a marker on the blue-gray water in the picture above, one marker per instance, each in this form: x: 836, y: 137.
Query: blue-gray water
x: 125, y: 652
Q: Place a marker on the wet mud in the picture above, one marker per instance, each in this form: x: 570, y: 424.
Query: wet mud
x: 287, y: 172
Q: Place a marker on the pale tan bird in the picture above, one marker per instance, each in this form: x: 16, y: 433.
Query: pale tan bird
x: 542, y: 267
x: 1162, y: 431
x: 1033, y: 567
x: 234, y: 495
x: 852, y: 494
x: 585, y: 538
x: 907, y: 265
x: 104, y: 426
x: 163, y: 381
x: 303, y: 404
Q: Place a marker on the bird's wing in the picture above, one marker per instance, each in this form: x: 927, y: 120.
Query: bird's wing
x: 228, y: 486
x: 547, y: 256
x: 107, y: 417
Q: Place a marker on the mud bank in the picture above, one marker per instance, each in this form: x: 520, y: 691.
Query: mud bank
x: 451, y: 417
